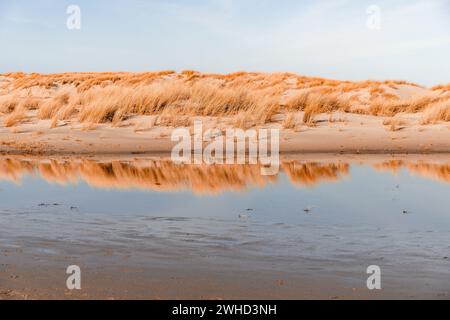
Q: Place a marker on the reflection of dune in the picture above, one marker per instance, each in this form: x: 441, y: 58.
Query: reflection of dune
x: 439, y: 172
x: 166, y: 176
x: 309, y: 174
x: 158, y: 175
x: 393, y: 166
x: 62, y: 173
x: 149, y: 174
x: 13, y: 170
x: 432, y: 171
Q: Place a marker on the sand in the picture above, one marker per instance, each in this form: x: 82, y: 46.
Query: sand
x: 336, y: 133
x: 107, y: 281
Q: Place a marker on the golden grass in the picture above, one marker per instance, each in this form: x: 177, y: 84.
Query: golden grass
x: 8, y: 103
x: 289, y: 121
x: 389, y: 107
x: 298, y: 101
x: 15, y: 117
x: 437, y: 112
x: 31, y: 103
x: 324, y: 104
x: 114, y: 103
x: 248, y: 97
x: 53, y: 105
x: 444, y: 87
x: 313, y: 103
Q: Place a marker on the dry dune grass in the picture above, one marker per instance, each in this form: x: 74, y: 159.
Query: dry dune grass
x: 324, y: 104
x: 18, y: 115
x: 387, y: 107
x: 250, y: 98
x: 289, y: 121
x: 114, y: 103
x: 313, y: 103
x: 8, y: 103
x: 439, y: 111
x: 444, y: 87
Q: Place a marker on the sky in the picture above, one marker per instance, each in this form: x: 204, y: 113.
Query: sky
x: 340, y: 39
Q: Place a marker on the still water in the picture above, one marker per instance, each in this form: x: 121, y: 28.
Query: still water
x: 314, y: 219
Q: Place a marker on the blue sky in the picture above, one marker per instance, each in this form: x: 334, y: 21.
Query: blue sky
x: 319, y: 38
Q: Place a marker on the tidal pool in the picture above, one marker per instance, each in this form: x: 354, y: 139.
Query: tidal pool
x: 147, y: 228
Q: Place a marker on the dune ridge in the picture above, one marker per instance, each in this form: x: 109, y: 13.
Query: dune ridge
x: 249, y: 98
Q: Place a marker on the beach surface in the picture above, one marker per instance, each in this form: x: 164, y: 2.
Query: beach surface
x: 344, y: 133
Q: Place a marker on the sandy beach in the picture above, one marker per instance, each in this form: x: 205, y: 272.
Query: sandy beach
x: 87, y: 179
x: 351, y: 134
x: 143, y: 282
x: 215, y: 158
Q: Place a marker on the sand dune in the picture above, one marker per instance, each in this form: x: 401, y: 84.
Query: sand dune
x: 40, y: 113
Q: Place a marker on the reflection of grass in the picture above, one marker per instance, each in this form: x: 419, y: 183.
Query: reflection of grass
x: 252, y: 98
x: 163, y: 175
x: 439, y: 172
x: 167, y: 176
x: 310, y: 174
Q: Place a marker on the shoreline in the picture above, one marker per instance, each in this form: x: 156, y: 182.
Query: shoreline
x: 359, y: 135
x: 319, y: 157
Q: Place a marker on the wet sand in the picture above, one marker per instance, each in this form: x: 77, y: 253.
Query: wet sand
x: 37, y: 271
x: 115, y: 278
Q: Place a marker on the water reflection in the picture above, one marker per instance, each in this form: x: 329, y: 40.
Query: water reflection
x: 438, y: 172
x: 164, y: 175
x: 357, y: 217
